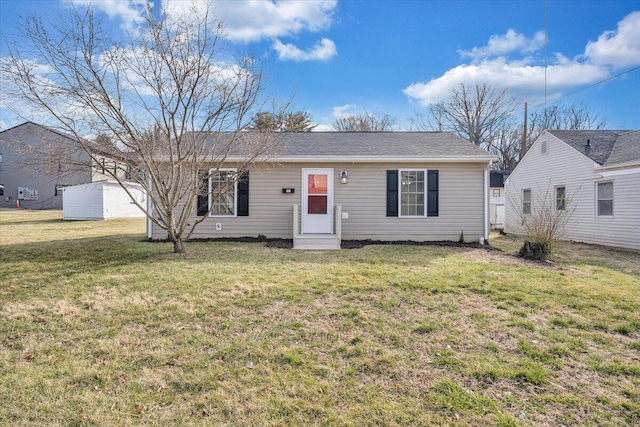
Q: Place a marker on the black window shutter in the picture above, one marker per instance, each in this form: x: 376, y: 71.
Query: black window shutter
x: 243, y: 194
x: 392, y: 193
x: 202, y: 204
x: 432, y: 193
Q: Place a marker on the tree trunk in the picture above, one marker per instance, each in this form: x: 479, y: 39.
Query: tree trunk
x: 179, y: 247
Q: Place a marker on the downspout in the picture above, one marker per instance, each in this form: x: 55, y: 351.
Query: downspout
x: 486, y: 203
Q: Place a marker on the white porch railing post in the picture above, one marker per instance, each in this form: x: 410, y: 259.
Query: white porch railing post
x: 296, y: 221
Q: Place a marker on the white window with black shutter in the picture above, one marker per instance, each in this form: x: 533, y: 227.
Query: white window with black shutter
x: 412, y: 193
x: 223, y: 192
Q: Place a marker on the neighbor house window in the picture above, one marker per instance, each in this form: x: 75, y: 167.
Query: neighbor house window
x: 412, y: 197
x: 0, y: 161
x: 223, y: 193
x: 543, y: 147
x: 1, y: 189
x: 560, y: 198
x: 526, y: 201
x: 604, y: 196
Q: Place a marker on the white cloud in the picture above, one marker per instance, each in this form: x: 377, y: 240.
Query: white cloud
x: 337, y: 112
x: 344, y: 110
x: 248, y: 21
x: 511, y: 41
x: 244, y: 20
x: 619, y: 48
x: 323, y: 127
x: 130, y: 12
x: 324, y: 50
x: 525, y: 78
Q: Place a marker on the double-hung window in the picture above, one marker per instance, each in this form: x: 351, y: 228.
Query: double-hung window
x: 604, y: 199
x: 412, y: 192
x: 223, y: 192
x: 526, y: 201
x: 560, y: 199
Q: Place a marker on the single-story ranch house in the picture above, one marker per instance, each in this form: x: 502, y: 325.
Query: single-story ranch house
x: 592, y: 175
x: 320, y: 187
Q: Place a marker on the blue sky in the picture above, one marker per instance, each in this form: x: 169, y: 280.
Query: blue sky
x: 397, y: 57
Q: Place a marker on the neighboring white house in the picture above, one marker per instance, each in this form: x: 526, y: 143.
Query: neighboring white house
x: 102, y: 200
x: 497, y: 212
x: 321, y: 187
x: 593, y: 174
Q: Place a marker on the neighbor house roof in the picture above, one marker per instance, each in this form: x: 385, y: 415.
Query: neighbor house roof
x: 374, y: 147
x: 609, y: 148
x: 497, y: 178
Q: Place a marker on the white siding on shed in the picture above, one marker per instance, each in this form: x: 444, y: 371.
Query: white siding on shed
x: 101, y: 200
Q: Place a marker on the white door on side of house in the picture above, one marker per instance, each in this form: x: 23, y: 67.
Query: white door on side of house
x: 317, y: 201
x: 501, y: 214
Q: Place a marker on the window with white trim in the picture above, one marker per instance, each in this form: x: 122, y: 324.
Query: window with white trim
x: 560, y: 198
x: 526, y: 201
x: 223, y: 192
x: 412, y: 192
x: 543, y: 147
x: 604, y: 198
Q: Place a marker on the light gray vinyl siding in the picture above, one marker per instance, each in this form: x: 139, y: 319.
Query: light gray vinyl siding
x: 36, y: 158
x: 565, y: 166
x: 461, y: 206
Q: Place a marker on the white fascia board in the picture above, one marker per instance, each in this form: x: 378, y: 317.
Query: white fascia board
x: 371, y: 159
x: 605, y: 173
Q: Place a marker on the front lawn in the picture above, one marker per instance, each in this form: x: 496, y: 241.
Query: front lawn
x: 100, y: 327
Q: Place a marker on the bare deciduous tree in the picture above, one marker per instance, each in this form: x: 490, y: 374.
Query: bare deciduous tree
x: 506, y: 146
x: 365, y: 122
x: 167, y: 101
x: 478, y: 114
x: 543, y: 220
x: 563, y: 117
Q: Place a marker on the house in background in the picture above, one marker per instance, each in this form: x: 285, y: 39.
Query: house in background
x: 33, y: 176
x: 592, y: 174
x: 497, y: 206
x: 320, y: 187
x: 38, y: 162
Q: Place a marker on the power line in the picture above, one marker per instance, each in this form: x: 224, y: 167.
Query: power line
x: 590, y: 86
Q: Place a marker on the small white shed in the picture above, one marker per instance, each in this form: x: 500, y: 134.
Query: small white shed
x: 102, y: 200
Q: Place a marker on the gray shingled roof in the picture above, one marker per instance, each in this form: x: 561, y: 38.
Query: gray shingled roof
x: 380, y: 145
x: 608, y: 147
x: 626, y: 149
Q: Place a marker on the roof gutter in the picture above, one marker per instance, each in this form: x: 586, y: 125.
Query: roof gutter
x: 368, y: 159
x: 618, y: 166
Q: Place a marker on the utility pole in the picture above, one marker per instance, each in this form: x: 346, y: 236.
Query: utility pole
x: 523, y: 143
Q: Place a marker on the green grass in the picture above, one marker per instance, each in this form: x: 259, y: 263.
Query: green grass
x: 100, y: 327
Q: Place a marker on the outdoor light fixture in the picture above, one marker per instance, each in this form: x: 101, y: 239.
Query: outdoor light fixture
x: 344, y: 177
